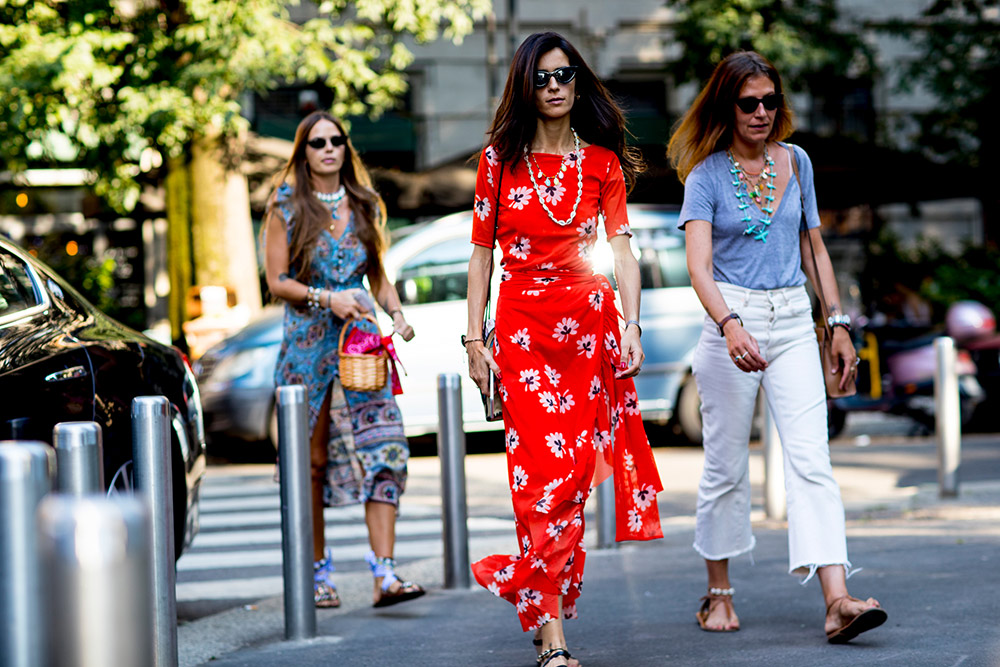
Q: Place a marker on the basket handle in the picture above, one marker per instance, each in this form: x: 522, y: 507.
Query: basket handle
x: 347, y: 324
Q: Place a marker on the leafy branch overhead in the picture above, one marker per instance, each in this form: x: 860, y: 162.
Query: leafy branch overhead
x: 119, y: 86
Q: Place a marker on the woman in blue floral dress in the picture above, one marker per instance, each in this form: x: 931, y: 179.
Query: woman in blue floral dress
x: 323, y: 234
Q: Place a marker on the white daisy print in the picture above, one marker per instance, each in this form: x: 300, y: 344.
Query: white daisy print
x: 629, y: 463
x: 557, y: 443
x: 564, y: 587
x: 548, y: 401
x: 520, y: 479
x: 631, y: 403
x: 554, y: 484
x: 574, y: 158
x: 482, y: 208
x: 544, y: 504
x: 491, y: 156
x: 547, y: 266
x: 577, y: 519
x: 489, y: 176
x: 513, y: 440
x: 567, y: 327
x: 588, y: 228
x: 525, y: 543
x: 537, y: 563
x: 595, y: 388
x: 625, y: 229
x: 553, y: 375
x: 553, y: 193
x: 531, y: 379
x: 596, y: 300
x: 587, y: 345
x: 528, y: 596
x: 601, y: 439
x: 522, y: 338
x: 521, y: 247
x: 503, y: 392
x: 610, y: 343
x: 505, y: 276
x: 546, y: 280
x: 494, y: 588
x: 565, y: 402
x: 643, y: 497
x: 504, y: 573
x: 634, y: 521
x: 581, y: 439
x: 569, y: 563
x: 531, y: 292
x: 616, y: 417
x: 584, y: 248
x: 556, y: 529
x: 519, y: 197
x: 542, y: 620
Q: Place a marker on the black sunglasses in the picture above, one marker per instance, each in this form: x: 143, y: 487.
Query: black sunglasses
x: 749, y: 104
x: 563, y: 75
x: 320, y: 142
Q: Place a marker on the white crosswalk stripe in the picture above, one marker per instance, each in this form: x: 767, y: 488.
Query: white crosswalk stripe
x: 241, y: 530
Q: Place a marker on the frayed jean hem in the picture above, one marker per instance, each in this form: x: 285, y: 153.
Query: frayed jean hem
x: 731, y: 554
x: 810, y: 570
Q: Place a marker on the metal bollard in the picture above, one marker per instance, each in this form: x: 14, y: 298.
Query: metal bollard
x: 296, y: 512
x: 26, y: 471
x: 451, y: 449
x: 95, y: 553
x: 947, y: 416
x: 79, y: 458
x: 605, y: 514
x: 775, y: 505
x: 153, y: 474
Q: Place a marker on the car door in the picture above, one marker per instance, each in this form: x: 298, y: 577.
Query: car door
x: 45, y: 374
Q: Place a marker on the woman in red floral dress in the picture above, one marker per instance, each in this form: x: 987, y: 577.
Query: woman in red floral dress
x: 556, y: 170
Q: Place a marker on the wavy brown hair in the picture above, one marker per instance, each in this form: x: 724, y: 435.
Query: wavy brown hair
x: 707, y: 126
x: 312, y: 216
x: 595, y: 116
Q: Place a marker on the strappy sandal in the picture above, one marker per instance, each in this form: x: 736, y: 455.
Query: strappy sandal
x: 723, y: 595
x: 386, y: 568
x: 867, y: 620
x: 553, y: 653
x: 324, y: 592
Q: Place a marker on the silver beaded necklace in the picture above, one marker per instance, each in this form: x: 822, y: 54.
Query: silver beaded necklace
x: 579, y: 182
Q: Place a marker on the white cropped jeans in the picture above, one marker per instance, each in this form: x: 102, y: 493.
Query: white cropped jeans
x: 781, y: 322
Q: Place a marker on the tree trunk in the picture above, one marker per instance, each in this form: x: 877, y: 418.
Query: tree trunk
x: 178, y: 243
x: 222, y: 232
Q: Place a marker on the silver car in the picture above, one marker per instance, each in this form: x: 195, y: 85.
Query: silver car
x: 429, y: 266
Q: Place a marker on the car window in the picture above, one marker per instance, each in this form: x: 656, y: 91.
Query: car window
x: 438, y: 273
x: 17, y: 291
x: 662, y: 261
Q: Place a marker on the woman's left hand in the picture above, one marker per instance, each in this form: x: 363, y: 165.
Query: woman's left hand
x: 401, y: 326
x: 632, y: 355
x: 845, y: 356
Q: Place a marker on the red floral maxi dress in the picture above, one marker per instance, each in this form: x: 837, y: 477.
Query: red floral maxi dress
x: 569, y: 423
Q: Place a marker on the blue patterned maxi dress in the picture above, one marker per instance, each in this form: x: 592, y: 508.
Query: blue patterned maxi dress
x: 367, y: 449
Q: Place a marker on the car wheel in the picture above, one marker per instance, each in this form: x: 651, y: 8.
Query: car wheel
x: 689, y: 411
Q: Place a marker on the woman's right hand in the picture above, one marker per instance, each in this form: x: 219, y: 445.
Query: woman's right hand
x: 743, y: 348
x: 345, y: 306
x: 480, y: 364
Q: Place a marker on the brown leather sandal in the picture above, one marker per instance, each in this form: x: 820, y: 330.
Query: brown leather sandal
x: 723, y: 595
x: 867, y: 620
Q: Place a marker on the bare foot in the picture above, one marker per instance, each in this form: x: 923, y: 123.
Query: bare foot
x: 845, y: 609
x: 721, y: 615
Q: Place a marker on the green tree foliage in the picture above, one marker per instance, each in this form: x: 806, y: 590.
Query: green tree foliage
x: 123, y: 85
x: 958, y: 60
x: 802, y: 38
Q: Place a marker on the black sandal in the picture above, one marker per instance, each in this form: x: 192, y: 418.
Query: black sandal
x: 553, y: 653
x: 386, y: 568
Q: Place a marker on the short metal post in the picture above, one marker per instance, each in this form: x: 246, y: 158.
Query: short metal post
x: 95, y: 553
x: 153, y: 476
x: 775, y: 506
x: 26, y: 471
x: 947, y: 417
x: 296, y: 512
x: 79, y: 458
x: 605, y: 514
x: 451, y: 450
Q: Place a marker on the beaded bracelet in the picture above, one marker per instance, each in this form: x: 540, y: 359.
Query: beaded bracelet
x: 312, y: 298
x: 722, y: 591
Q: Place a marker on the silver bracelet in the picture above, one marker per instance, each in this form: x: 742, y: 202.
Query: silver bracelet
x: 636, y: 323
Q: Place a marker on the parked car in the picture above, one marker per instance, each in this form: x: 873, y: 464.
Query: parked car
x: 63, y: 360
x: 429, y: 266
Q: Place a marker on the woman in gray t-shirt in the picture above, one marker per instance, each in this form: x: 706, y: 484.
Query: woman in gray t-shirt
x: 745, y: 246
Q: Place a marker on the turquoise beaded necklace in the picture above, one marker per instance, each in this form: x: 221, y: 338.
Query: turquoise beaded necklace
x: 741, y: 183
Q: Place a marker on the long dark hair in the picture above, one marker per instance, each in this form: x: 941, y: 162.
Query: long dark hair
x: 707, y: 126
x: 312, y: 216
x: 596, y: 116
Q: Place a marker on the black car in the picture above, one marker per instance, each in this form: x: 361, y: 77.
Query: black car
x: 63, y: 360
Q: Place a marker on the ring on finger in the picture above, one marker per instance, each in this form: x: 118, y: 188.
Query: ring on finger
x: 739, y: 356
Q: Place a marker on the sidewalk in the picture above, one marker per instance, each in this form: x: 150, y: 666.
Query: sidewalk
x: 931, y: 562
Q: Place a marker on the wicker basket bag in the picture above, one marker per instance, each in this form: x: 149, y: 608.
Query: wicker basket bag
x: 362, y: 372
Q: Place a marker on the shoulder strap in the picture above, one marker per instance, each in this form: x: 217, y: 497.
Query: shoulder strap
x: 804, y: 226
x: 496, y: 222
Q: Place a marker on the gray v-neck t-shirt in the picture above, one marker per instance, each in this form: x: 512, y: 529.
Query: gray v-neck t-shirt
x: 738, y: 258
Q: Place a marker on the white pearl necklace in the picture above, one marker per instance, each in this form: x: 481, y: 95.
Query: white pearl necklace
x: 331, y: 197
x: 579, y: 181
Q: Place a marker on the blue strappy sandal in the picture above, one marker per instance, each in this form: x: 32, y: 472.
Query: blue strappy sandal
x: 386, y: 568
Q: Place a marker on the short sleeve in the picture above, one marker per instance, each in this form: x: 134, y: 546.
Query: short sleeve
x: 699, y: 197
x: 613, y: 196
x: 806, y: 175
x: 485, y: 204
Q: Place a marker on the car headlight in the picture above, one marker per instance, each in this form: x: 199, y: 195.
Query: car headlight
x: 255, y: 363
